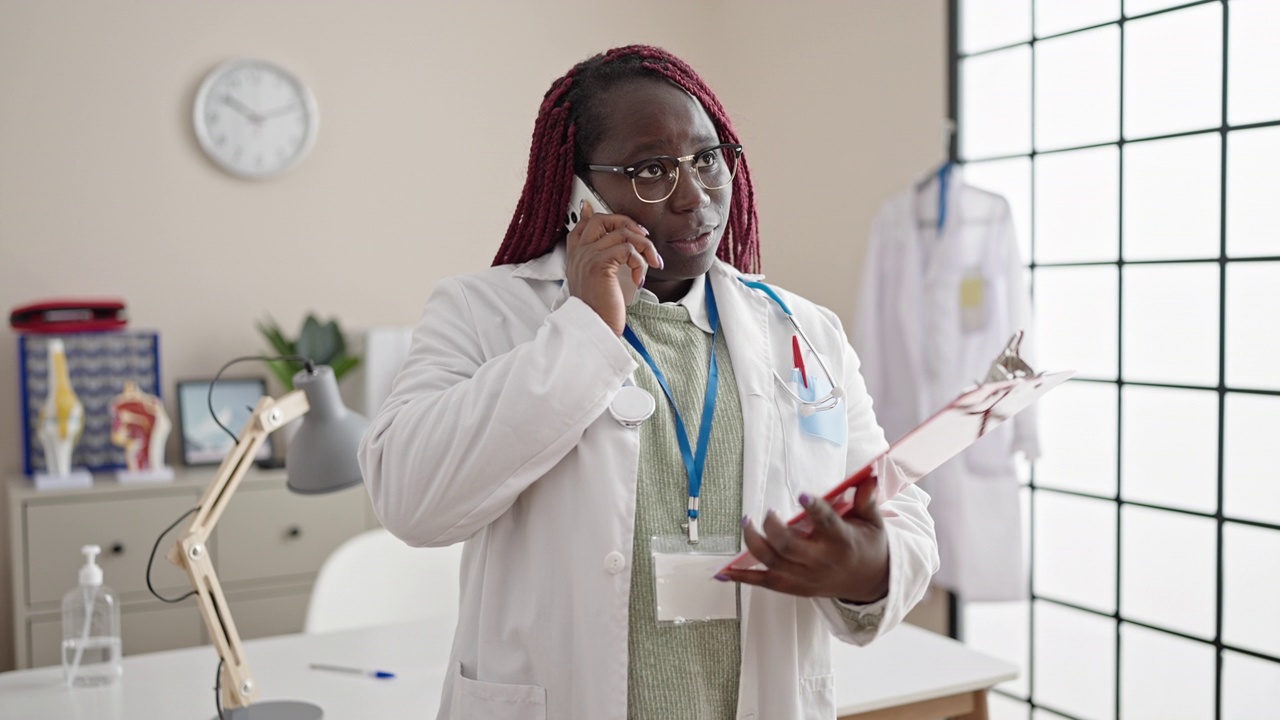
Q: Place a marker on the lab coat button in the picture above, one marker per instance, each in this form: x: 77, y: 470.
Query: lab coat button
x: 614, y: 562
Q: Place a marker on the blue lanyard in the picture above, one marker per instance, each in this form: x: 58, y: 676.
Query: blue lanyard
x: 694, y: 464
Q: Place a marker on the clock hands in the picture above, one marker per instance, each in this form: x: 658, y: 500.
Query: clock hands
x: 254, y: 116
x: 283, y: 110
x: 234, y: 103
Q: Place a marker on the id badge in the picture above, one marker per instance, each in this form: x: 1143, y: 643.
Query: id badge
x: 973, y: 301
x: 684, y: 587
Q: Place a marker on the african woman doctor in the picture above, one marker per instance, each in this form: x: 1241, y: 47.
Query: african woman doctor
x: 501, y: 431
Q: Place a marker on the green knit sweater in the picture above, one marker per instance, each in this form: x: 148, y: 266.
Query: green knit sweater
x: 689, y: 672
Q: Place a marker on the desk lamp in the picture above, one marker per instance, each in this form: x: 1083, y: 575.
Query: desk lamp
x: 321, y: 458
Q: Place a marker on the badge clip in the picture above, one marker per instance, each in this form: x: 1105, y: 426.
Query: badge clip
x: 692, y: 525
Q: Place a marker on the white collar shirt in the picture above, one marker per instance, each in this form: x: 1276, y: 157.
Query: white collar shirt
x: 695, y: 301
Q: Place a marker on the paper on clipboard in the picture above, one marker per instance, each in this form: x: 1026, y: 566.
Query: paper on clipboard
x: 1010, y: 387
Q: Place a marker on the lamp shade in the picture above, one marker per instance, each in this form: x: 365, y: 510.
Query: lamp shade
x: 322, y: 453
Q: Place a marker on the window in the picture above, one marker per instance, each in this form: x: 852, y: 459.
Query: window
x: 1137, y: 142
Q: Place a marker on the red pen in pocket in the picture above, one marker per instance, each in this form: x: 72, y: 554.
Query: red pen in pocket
x: 798, y: 359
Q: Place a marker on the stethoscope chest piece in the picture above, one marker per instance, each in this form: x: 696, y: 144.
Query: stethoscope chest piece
x: 632, y: 406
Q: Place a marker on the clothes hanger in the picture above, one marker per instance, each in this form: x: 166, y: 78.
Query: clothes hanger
x: 941, y: 175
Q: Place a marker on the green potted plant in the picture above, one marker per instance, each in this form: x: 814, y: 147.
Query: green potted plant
x: 323, y: 343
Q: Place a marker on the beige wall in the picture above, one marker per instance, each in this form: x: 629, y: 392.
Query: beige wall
x: 426, y: 111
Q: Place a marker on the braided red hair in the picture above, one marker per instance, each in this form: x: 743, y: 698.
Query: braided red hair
x: 564, y: 120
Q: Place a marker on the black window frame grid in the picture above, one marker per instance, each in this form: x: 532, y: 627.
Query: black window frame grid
x: 1223, y: 260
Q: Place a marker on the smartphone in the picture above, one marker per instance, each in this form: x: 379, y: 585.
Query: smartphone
x: 582, y: 192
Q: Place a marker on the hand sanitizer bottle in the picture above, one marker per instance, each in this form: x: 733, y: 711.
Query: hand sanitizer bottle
x: 91, y: 628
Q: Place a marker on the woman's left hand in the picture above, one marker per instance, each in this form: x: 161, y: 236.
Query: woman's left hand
x: 846, y: 558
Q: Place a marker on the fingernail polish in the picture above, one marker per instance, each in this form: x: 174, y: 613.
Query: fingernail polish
x: 662, y: 265
x: 745, y: 521
x: 641, y: 282
x: 581, y: 204
x: 722, y: 577
x: 771, y: 513
x: 643, y: 229
x: 806, y: 499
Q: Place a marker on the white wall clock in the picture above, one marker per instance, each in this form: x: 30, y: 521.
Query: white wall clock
x: 254, y: 118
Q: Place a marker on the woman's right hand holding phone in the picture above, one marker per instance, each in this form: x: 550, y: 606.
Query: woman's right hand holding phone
x: 602, y: 248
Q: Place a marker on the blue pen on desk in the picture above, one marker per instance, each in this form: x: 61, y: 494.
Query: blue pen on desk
x: 380, y: 674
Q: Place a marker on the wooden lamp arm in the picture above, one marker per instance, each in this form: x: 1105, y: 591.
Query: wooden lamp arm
x: 191, y: 551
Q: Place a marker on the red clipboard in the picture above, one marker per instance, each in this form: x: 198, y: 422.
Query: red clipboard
x: 1010, y: 388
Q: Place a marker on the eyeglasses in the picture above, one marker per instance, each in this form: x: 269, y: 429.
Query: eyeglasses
x: 654, y: 179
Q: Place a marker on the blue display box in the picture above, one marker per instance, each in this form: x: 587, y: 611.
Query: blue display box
x: 100, y: 363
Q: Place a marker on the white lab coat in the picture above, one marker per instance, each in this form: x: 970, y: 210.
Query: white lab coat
x: 919, y: 347
x: 497, y: 433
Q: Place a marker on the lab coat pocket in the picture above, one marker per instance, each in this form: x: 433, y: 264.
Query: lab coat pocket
x: 802, y: 461
x: 495, y: 701
x: 830, y: 424
x: 818, y: 696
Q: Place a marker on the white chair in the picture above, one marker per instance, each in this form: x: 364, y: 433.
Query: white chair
x: 375, y: 579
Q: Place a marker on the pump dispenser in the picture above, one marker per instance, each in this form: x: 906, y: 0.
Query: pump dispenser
x: 91, y: 628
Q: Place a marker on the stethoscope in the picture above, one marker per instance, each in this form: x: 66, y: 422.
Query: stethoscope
x: 632, y: 405
x: 807, y: 407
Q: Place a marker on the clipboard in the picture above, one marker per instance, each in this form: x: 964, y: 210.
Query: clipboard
x: 1010, y: 387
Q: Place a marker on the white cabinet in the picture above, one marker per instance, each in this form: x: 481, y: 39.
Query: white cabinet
x: 267, y: 548
x: 126, y: 528
x: 143, y: 628
x: 269, y: 534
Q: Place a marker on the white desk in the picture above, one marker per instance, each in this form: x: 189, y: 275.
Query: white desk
x: 909, y: 673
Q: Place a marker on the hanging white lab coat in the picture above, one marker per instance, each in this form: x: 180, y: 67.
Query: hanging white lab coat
x: 934, y: 311
x: 497, y: 432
